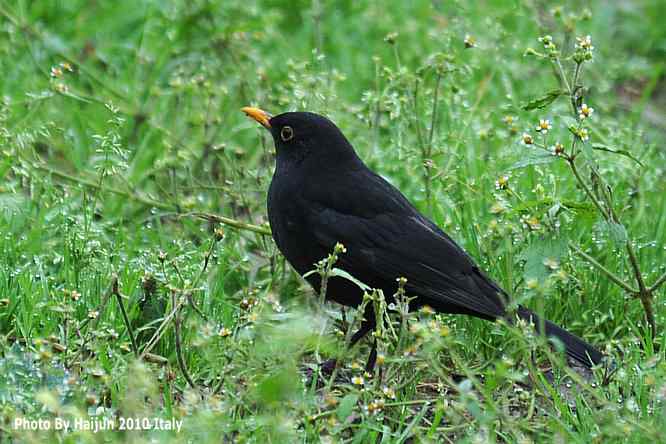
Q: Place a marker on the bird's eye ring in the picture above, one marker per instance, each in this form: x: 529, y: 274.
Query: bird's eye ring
x: 287, y: 133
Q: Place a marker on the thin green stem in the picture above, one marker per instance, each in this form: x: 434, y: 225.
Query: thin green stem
x: 612, y: 276
x: 583, y: 185
x: 152, y: 202
x: 435, y: 101
x: 160, y: 331
x: 573, y: 85
x: 348, y: 336
x: 658, y: 283
x: 427, y: 150
x: 416, y: 114
x: 633, y: 260
x: 563, y: 76
x: 128, y: 325
x: 643, y: 292
x: 608, y: 212
x: 179, y: 348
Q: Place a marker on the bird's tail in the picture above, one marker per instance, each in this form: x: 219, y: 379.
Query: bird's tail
x: 575, y: 347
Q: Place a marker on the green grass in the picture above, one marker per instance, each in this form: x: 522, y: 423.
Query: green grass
x: 103, y: 166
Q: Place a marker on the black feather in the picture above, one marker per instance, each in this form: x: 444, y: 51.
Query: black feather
x: 574, y: 346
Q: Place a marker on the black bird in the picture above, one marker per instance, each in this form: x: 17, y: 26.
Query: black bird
x: 322, y: 193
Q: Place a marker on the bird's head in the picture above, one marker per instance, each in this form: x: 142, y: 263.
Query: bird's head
x: 304, y: 136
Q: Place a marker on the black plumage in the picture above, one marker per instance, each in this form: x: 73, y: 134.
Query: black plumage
x: 322, y: 193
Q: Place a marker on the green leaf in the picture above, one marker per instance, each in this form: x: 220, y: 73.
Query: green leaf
x: 62, y: 309
x: 539, y: 251
x: 534, y: 159
x: 343, y: 274
x: 278, y: 386
x: 12, y: 203
x: 543, y: 101
x: 5, y: 166
x: 337, y: 272
x: 578, y: 206
x: 616, y: 232
x: 602, y: 147
x: 568, y: 121
x: 346, y: 406
x: 588, y: 153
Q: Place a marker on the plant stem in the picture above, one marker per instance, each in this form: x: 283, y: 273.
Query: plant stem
x: 263, y: 230
x: 563, y: 76
x: 100, y: 308
x: 646, y: 300
x: 658, y: 283
x: 179, y: 349
x: 643, y: 293
x: 417, y: 121
x: 574, y: 82
x: 316, y: 19
x: 612, y: 276
x: 583, y: 185
x: 435, y: 101
x: 427, y: 150
x: 633, y: 260
x: 128, y: 325
x: 151, y: 202
x: 160, y: 331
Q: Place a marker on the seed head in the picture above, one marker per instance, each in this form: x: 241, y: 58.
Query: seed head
x: 527, y: 139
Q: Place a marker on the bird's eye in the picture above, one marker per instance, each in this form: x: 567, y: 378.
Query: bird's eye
x: 287, y: 133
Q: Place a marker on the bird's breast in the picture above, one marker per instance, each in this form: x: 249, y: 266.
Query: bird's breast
x: 292, y: 234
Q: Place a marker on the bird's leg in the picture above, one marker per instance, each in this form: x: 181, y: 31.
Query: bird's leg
x: 372, y: 359
x: 366, y: 326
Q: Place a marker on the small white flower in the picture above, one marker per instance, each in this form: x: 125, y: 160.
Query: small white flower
x: 357, y: 380
x: 502, y: 183
x: 585, y: 111
x: 509, y: 119
x: 551, y: 263
x: 583, y: 134
x: 469, y: 41
x: 544, y: 126
x: 584, y: 43
x: 375, y: 406
x: 388, y: 392
x: 56, y: 71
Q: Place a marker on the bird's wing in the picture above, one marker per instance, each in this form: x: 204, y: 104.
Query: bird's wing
x: 386, y: 238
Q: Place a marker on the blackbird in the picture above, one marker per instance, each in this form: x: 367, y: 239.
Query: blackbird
x: 322, y: 193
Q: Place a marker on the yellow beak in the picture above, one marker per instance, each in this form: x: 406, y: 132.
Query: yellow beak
x: 259, y: 115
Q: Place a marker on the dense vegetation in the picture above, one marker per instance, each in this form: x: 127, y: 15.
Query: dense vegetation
x: 138, y: 278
